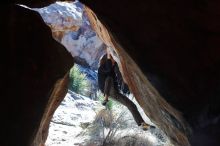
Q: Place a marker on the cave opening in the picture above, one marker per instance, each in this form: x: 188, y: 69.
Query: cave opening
x: 75, y: 30
x: 80, y: 112
x: 80, y: 119
x: 176, y: 43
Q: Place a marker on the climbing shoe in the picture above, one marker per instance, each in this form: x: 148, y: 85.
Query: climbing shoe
x: 104, y: 102
x: 146, y: 126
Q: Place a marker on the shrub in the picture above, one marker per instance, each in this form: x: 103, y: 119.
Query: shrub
x: 78, y: 81
x: 109, y: 104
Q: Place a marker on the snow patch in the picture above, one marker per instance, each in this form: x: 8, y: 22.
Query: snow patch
x: 75, y: 117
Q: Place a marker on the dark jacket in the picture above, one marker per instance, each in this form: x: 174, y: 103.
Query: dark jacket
x: 121, y: 85
x: 109, y: 70
x: 106, y: 70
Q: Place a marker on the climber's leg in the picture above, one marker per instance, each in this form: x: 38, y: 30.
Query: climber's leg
x: 129, y: 104
x: 107, y: 88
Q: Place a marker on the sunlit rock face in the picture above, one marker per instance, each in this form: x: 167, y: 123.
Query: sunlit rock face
x: 155, y: 107
x: 179, y: 43
x: 176, y: 44
x: 71, y: 28
x: 82, y: 45
x: 62, y: 18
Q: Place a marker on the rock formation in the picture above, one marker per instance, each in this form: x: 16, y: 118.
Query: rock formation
x: 175, y: 44
x: 62, y: 17
x: 31, y: 65
x: 70, y: 27
x: 155, y: 107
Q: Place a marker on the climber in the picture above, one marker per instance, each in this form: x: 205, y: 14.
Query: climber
x: 109, y: 87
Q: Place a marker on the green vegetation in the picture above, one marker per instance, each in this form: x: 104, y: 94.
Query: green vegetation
x: 78, y: 81
x: 110, y: 103
x: 80, y: 85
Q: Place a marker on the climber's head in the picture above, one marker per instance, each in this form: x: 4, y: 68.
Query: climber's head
x: 103, y: 59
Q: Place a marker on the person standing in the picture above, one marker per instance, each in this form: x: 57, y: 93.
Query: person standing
x: 109, y: 87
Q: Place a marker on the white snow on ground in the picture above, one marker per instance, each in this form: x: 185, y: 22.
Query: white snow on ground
x: 65, y: 124
x: 76, y: 114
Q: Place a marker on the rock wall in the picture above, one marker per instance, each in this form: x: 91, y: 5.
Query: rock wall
x: 154, y: 106
x: 71, y: 27
x: 32, y: 62
x: 175, y: 43
x: 59, y: 92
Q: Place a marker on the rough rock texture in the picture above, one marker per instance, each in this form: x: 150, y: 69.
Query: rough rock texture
x: 175, y: 43
x: 59, y: 92
x: 62, y: 18
x: 32, y: 62
x: 155, y: 107
x: 70, y: 27
x: 32, y: 3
